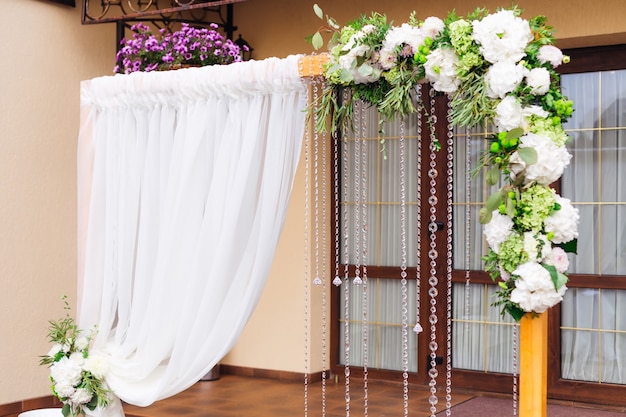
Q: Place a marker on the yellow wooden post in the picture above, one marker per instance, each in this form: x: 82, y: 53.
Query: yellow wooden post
x: 533, y: 365
x: 312, y: 65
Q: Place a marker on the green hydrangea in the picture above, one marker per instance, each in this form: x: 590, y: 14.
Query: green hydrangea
x: 550, y: 128
x: 346, y: 33
x: 461, y: 36
x: 511, y: 253
x: 534, y: 205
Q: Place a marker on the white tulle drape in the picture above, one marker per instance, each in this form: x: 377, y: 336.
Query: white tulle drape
x: 184, y: 179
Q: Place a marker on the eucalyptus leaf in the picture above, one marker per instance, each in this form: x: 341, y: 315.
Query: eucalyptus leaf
x: 318, y: 11
x: 317, y: 41
x: 493, y: 175
x: 514, y: 133
x: 528, y: 155
x: 333, y: 23
x: 494, y: 200
x: 510, y: 207
x: 484, y: 215
x: 365, y: 70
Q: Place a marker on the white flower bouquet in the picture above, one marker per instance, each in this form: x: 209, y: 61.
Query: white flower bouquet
x: 77, y: 377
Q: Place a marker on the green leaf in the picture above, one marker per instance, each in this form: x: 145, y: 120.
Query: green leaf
x: 317, y: 41
x: 318, y: 11
x: 484, y: 215
x: 515, y: 312
x: 66, y: 410
x: 333, y: 23
x: 514, y: 133
x: 570, y: 247
x: 494, y: 200
x: 493, y: 175
x: 528, y: 155
x: 554, y: 275
x: 510, y: 207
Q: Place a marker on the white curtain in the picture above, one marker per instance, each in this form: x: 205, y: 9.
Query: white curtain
x: 184, y: 180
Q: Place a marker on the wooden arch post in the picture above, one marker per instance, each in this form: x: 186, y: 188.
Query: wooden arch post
x: 533, y: 330
x: 533, y: 391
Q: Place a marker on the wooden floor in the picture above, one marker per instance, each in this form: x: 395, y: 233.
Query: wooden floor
x: 237, y: 396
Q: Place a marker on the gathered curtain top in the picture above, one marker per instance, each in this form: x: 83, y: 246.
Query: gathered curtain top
x: 173, y: 88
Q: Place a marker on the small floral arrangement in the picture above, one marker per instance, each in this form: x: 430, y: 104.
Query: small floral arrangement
x: 77, y: 377
x: 188, y: 46
x: 497, y: 69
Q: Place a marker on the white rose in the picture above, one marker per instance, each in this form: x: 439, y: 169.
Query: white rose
x: 563, y: 223
x: 440, y: 68
x: 509, y: 114
x: 432, y: 26
x: 558, y: 258
x: 503, y: 77
x: 551, y: 54
x: 498, y: 230
x: 502, y: 36
x: 538, y: 79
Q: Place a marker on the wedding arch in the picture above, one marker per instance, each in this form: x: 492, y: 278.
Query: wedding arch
x: 498, y: 72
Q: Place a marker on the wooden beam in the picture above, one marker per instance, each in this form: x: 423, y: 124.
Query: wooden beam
x: 533, y: 365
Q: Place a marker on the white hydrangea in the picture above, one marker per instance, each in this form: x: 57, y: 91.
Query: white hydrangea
x: 502, y: 36
x: 498, y: 230
x: 538, y: 79
x: 534, y: 290
x: 67, y: 371
x: 551, y: 54
x: 440, y: 68
x: 503, y: 77
x: 551, y: 160
x: 81, y: 396
x: 563, y: 223
x: 97, y: 365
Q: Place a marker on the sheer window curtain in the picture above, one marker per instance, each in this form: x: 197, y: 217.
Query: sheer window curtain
x: 184, y: 180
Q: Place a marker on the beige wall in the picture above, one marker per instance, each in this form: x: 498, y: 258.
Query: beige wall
x: 45, y: 54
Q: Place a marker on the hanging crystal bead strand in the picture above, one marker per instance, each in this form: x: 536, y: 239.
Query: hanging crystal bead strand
x: 468, y: 222
x: 363, y: 176
x: 346, y: 291
x: 357, y: 193
x: 432, y: 255
x: 449, y: 195
x: 418, y: 212
x: 307, y: 140
x: 403, y: 275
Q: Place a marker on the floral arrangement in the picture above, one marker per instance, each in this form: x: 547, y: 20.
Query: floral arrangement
x: 188, y: 46
x: 77, y: 377
x: 497, y: 69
